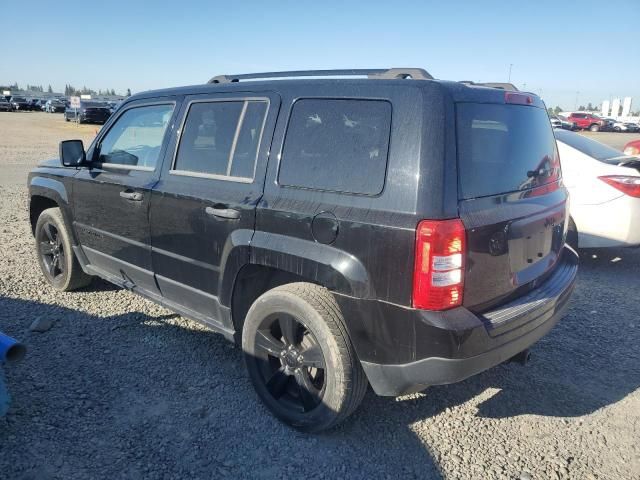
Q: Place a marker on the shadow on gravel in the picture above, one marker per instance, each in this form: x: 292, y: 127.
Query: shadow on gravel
x: 139, y: 396
x: 149, y: 397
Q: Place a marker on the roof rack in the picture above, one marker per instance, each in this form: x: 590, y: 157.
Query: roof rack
x: 376, y: 73
x: 501, y: 85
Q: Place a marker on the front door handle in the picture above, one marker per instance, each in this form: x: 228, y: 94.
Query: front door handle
x: 129, y: 195
x: 223, y: 212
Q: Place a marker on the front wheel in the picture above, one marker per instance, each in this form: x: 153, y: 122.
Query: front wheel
x: 300, y: 359
x: 55, y: 255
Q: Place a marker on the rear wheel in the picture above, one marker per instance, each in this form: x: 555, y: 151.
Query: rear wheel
x: 594, y: 128
x: 55, y: 255
x: 300, y: 359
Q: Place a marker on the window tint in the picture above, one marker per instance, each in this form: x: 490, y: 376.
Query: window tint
x: 221, y: 138
x: 504, y: 148
x: 337, y: 145
x: 136, y: 137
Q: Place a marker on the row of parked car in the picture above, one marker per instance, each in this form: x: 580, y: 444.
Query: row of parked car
x: 589, y: 121
x: 90, y: 111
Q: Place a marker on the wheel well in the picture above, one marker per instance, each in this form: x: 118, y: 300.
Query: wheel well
x: 37, y: 205
x: 251, y: 282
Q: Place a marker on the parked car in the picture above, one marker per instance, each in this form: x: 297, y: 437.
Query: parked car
x: 620, y: 126
x: 558, y: 122
x: 5, y: 105
x: 605, y: 192
x: 586, y: 121
x: 89, y: 112
x: 319, y: 224
x: 632, y: 148
x: 55, y: 106
x: 20, y: 103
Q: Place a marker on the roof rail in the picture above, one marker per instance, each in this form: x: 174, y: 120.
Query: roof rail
x: 501, y: 85
x: 375, y: 73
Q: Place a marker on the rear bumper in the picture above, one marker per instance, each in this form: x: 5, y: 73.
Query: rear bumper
x: 453, y: 345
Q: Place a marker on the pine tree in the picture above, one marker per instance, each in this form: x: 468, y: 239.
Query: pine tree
x: 49, y: 90
x: 128, y: 92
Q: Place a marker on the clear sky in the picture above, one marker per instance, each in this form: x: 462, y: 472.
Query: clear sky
x: 557, y: 48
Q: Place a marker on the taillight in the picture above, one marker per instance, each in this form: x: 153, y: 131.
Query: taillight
x: 632, y: 150
x: 627, y: 185
x: 438, y: 276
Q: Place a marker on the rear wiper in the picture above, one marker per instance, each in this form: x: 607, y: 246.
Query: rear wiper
x: 541, y: 172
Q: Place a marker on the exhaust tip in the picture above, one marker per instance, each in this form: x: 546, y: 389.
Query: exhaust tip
x: 522, y: 358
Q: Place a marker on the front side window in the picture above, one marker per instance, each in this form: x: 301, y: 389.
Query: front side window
x: 221, y: 138
x: 136, y: 137
x: 337, y: 145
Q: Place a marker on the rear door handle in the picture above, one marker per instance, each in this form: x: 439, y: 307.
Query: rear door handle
x: 223, y: 212
x: 129, y: 195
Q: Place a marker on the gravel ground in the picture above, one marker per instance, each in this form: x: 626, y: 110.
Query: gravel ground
x: 121, y: 388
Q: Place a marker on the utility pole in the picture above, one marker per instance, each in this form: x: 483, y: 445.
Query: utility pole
x: 510, y: 67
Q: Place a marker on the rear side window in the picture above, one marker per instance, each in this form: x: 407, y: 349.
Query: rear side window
x: 222, y: 138
x: 503, y: 148
x: 337, y: 145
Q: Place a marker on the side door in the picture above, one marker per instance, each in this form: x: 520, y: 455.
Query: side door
x: 111, y: 197
x: 203, y: 206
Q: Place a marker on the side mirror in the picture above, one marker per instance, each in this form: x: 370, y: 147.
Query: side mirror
x: 72, y: 153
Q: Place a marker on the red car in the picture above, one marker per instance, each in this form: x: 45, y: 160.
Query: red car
x: 632, y: 148
x: 586, y: 121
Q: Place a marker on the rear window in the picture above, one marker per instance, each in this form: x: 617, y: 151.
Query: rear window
x: 337, y: 145
x: 504, y: 148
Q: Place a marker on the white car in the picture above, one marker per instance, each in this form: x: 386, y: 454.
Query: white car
x: 604, y: 188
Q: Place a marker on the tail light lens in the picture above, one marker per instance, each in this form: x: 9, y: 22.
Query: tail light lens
x: 627, y: 185
x: 438, y: 276
x: 632, y: 150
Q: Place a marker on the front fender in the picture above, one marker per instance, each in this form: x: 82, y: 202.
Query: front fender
x: 49, y: 188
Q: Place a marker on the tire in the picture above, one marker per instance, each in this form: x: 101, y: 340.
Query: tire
x: 55, y: 254
x: 594, y: 128
x: 572, y: 235
x: 66, y: 119
x: 310, y: 378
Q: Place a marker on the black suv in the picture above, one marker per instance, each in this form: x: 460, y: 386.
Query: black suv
x: 394, y: 230
x: 89, y: 112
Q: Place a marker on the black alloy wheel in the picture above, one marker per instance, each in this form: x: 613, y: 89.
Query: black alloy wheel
x: 51, y: 250
x: 291, y: 363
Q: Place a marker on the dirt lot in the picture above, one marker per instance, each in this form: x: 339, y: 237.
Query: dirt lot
x: 121, y: 388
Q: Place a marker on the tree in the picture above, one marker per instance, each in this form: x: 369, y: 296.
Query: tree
x: 49, y: 90
x: 113, y: 92
x: 582, y: 107
x: 557, y: 110
x: 128, y: 92
x: 590, y: 107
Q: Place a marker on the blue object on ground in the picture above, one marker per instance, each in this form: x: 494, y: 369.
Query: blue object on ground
x: 10, y: 349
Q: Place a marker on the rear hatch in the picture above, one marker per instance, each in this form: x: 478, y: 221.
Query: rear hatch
x: 511, y: 198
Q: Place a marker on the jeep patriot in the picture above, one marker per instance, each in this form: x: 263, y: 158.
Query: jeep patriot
x: 361, y: 227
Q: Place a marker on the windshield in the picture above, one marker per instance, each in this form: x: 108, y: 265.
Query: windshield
x: 590, y: 147
x: 19, y: 99
x: 504, y: 148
